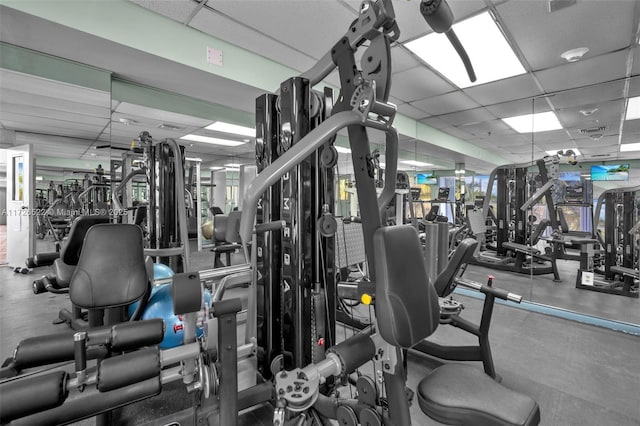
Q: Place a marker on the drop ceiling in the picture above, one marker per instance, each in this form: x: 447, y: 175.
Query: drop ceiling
x: 297, y: 33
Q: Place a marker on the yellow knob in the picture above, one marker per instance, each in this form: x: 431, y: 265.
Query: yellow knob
x: 366, y: 299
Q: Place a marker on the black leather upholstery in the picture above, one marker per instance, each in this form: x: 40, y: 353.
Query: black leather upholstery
x: 70, y: 253
x: 444, y: 283
x: 460, y: 394
x: 220, y: 227
x: 63, y: 272
x: 406, y: 304
x: 111, y: 271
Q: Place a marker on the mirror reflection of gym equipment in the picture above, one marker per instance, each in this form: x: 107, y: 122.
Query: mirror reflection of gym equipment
x: 303, y: 282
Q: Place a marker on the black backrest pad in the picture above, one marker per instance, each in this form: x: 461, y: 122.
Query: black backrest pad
x: 70, y: 253
x: 233, y: 227
x: 444, y: 284
x: 111, y: 271
x: 407, y: 308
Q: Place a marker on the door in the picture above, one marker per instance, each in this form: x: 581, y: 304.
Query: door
x: 20, y: 211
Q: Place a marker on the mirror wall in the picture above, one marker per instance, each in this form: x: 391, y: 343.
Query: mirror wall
x: 80, y: 120
x: 61, y: 110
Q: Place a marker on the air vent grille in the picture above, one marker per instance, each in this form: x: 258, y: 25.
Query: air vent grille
x: 596, y: 129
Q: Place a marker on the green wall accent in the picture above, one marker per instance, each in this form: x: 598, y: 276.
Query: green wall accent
x: 42, y: 65
x: 156, y: 98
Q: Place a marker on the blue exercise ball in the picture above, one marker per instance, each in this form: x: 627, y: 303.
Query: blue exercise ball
x: 161, y: 271
x: 161, y: 306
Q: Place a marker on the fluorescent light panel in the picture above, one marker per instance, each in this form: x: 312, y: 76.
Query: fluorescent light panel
x: 491, y: 55
x: 633, y: 109
x: 233, y: 165
x: 221, y: 126
x: 232, y: 169
x: 415, y: 163
x: 555, y: 151
x: 626, y: 147
x: 210, y: 140
x: 528, y: 123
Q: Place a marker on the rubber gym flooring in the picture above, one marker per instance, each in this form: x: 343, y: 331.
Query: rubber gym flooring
x: 578, y: 373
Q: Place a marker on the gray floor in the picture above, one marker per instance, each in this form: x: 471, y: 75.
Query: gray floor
x: 580, y: 375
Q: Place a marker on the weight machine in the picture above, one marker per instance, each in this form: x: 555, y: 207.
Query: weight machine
x: 621, y: 269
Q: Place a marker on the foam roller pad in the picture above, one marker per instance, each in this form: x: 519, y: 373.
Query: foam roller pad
x: 125, y: 370
x: 137, y: 334
x: 22, y: 397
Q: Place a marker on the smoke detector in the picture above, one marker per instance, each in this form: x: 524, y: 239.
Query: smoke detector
x: 574, y: 55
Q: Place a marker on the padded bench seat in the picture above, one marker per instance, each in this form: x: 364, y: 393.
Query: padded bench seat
x: 522, y: 248
x: 626, y: 271
x: 460, y: 394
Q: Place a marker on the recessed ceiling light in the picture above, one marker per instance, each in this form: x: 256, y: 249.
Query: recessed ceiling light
x: 233, y: 165
x: 633, y: 108
x: 588, y: 112
x: 221, y: 126
x: 626, y: 147
x: 127, y: 121
x: 555, y: 151
x: 169, y: 126
x: 232, y: 169
x: 416, y: 163
x: 343, y: 150
x: 574, y: 55
x: 528, y: 123
x: 214, y: 141
x: 490, y: 53
x: 216, y: 168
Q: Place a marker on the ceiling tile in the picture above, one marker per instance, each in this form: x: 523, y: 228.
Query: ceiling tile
x: 521, y: 107
x: 468, y: 117
x: 589, y: 97
x: 489, y: 128
x: 443, y: 104
x: 220, y: 26
x: 436, y: 123
x: 559, y: 136
x: 402, y: 59
x: 608, y: 114
x: 310, y: 26
x: 543, y: 37
x: 586, y: 72
x: 411, y: 111
x: 418, y: 83
x: 178, y: 10
x: 518, y: 87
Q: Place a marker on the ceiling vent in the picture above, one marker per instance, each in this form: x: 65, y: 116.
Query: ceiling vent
x: 592, y: 130
x: 600, y: 155
x: 555, y: 5
x: 169, y: 126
